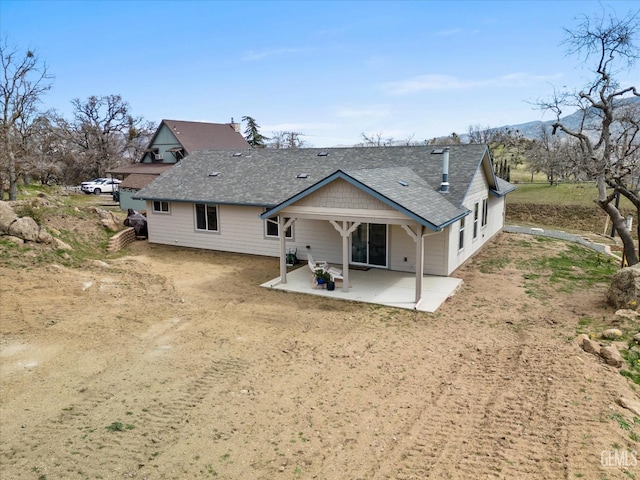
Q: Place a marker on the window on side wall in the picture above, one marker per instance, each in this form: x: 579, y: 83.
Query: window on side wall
x: 160, y: 207
x: 461, y: 234
x: 272, y: 228
x: 206, y: 217
x: 476, y: 214
x: 485, y: 210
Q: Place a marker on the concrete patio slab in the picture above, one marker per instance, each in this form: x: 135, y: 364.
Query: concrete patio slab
x: 383, y: 287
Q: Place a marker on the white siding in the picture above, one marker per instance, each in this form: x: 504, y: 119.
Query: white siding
x: 435, y: 254
x: 402, y: 246
x: 241, y: 230
x: 323, y: 239
x: 478, y: 190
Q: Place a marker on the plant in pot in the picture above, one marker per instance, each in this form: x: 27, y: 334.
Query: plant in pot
x: 322, y: 277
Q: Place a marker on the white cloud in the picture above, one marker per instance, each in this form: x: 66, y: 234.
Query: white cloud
x: 449, y: 33
x: 435, y: 82
x: 297, y: 127
x: 252, y: 55
x: 377, y: 111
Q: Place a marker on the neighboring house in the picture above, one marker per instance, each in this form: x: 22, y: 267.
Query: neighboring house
x: 173, y: 141
x: 414, y: 209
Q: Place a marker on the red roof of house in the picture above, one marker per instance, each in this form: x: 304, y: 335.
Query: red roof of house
x: 204, y: 136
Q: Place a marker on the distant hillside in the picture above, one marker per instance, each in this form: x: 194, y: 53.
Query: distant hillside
x: 532, y: 130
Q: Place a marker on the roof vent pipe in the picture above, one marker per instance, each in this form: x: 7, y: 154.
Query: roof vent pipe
x: 444, y: 186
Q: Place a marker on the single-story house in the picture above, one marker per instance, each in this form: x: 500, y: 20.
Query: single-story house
x: 173, y: 141
x: 421, y: 209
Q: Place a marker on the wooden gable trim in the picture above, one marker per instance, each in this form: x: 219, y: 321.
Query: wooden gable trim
x: 347, y: 212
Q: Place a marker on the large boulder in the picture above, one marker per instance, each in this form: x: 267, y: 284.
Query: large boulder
x: 25, y: 228
x: 7, y: 217
x: 625, y: 288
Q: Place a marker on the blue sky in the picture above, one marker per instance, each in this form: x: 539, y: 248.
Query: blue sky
x: 331, y: 70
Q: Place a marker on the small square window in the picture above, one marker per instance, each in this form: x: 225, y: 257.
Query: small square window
x: 160, y: 206
x: 273, y: 227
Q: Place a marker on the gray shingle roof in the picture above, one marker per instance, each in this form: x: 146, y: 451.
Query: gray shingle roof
x: 503, y: 187
x: 267, y: 177
x: 403, y: 187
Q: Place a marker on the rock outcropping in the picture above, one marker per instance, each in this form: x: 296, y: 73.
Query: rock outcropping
x: 625, y: 287
x: 24, y: 228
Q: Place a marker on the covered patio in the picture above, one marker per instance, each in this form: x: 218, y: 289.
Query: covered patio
x: 382, y: 287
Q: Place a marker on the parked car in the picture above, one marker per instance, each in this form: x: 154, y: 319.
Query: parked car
x: 100, y: 185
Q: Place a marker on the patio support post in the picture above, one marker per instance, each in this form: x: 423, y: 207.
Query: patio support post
x: 282, y: 233
x: 418, y: 238
x: 419, y: 262
x: 283, y: 249
x: 345, y: 230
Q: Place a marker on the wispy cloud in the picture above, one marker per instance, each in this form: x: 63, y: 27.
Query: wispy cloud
x: 297, y: 127
x: 370, y: 111
x: 435, y: 82
x: 449, y: 33
x: 455, y: 31
x: 253, y: 55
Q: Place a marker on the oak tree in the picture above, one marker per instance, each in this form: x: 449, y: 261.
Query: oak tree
x: 25, y: 80
x: 608, y: 131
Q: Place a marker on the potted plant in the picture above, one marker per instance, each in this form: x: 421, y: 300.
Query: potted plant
x: 322, y: 277
x: 331, y: 285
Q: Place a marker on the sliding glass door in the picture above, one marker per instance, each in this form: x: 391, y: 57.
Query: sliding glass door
x: 369, y: 245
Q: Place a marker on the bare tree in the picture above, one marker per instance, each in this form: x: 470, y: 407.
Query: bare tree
x: 609, y: 157
x: 376, y: 140
x: 455, y: 139
x: 24, y: 81
x: 45, y: 153
x: 105, y: 134
x: 287, y: 140
x: 481, y: 135
x: 409, y: 141
x: 548, y: 154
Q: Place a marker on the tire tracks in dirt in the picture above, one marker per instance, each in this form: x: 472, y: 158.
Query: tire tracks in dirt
x: 154, y: 411
x: 481, y: 421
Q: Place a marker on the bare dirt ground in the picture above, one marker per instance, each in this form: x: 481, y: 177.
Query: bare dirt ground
x: 174, y: 364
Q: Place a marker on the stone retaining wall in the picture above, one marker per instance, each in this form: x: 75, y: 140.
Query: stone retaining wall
x: 121, y: 240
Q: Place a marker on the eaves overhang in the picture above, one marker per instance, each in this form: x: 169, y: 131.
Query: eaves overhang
x: 339, y: 174
x: 207, y: 202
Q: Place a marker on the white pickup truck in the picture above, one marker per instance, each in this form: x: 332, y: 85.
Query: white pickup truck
x: 100, y: 185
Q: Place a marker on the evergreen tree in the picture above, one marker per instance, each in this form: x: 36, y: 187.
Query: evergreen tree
x: 252, y: 133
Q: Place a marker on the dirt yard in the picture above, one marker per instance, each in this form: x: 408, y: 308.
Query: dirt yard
x: 172, y: 363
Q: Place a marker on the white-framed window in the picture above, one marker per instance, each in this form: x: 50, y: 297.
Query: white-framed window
x: 461, y: 234
x: 476, y: 215
x: 160, y: 206
x: 206, y: 217
x: 485, y: 211
x: 272, y: 227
